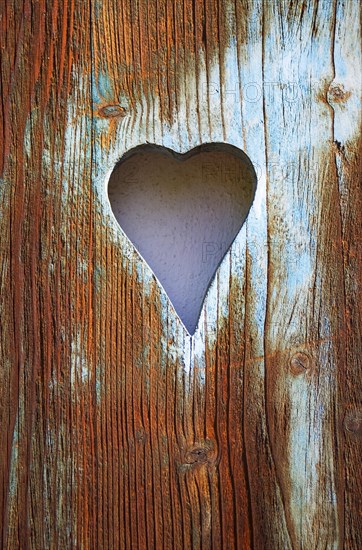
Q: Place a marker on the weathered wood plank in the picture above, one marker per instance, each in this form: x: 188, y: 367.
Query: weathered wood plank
x: 46, y: 282
x: 344, y: 98
x: 118, y: 430
x: 304, y: 290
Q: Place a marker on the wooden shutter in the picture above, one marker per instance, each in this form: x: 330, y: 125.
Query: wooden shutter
x: 118, y: 430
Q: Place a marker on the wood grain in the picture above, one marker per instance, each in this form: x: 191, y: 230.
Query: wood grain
x: 118, y: 430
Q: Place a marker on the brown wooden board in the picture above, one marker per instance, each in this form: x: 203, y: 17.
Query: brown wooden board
x: 118, y: 430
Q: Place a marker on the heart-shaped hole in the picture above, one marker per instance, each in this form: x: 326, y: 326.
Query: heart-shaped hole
x: 182, y: 212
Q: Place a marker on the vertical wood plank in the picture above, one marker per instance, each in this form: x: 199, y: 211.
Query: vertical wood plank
x: 344, y: 99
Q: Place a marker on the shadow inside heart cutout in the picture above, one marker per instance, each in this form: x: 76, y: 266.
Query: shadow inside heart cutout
x: 182, y: 212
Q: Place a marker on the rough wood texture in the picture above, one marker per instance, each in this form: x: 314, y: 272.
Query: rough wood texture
x: 117, y: 430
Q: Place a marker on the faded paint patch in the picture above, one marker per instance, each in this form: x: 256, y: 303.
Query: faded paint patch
x: 79, y: 369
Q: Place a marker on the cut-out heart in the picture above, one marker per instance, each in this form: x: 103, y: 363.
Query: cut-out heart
x: 182, y: 212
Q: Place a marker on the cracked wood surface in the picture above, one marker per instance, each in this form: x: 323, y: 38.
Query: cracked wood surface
x: 117, y: 429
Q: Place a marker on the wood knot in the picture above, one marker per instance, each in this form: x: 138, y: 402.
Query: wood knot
x: 300, y: 363
x: 353, y: 423
x: 337, y: 94
x: 140, y: 436
x: 112, y: 111
x: 199, y: 454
